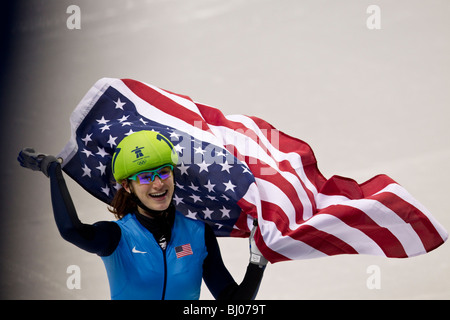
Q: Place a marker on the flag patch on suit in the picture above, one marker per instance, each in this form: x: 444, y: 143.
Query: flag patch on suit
x: 184, y: 250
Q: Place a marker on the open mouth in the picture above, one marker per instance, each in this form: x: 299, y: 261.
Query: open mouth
x: 158, y: 195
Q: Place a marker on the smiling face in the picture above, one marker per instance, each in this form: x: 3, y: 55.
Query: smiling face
x: 156, y: 195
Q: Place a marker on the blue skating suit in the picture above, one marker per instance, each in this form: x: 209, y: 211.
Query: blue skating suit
x: 140, y: 269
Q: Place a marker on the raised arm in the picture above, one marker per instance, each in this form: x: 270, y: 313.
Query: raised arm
x: 218, y: 279
x: 101, y: 238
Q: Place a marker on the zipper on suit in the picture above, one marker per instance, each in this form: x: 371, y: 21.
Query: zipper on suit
x: 165, y: 275
x: 165, y: 268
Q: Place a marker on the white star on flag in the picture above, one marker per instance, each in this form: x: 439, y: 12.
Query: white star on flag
x: 112, y: 141
x: 101, y: 152
x: 203, y: 166
x: 210, y: 186
x: 229, y: 186
x: 87, y: 139
x: 208, y: 213
x: 119, y: 104
x: 86, y: 171
x: 102, y: 168
x: 102, y: 120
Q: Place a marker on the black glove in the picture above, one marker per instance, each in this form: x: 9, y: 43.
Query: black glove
x: 256, y: 256
x: 28, y: 158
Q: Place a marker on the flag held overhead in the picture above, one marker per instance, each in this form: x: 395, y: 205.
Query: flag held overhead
x: 232, y: 169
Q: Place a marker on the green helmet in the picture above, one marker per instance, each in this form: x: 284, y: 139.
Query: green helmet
x: 140, y: 151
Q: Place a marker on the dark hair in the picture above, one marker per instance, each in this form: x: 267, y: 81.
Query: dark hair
x: 122, y: 204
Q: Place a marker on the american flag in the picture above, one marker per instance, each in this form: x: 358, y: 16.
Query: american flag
x: 184, y: 250
x: 235, y: 168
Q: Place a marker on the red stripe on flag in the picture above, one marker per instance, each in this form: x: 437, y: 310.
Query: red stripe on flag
x: 163, y: 103
x: 317, y: 239
x: 241, y: 227
x: 413, y: 216
x: 286, y: 143
x: 322, y: 241
x: 261, y: 170
x: 357, y: 219
x: 268, y: 253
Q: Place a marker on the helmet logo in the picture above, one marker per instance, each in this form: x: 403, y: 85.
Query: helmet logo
x: 138, y: 152
x: 140, y: 158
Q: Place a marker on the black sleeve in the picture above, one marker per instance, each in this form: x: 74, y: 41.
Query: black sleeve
x: 219, y: 280
x: 101, y: 238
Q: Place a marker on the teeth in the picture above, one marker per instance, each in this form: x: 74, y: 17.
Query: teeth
x: 158, y: 194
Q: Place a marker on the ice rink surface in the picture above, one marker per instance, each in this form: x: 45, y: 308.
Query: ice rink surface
x: 368, y: 101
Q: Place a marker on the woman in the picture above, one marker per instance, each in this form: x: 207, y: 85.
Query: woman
x: 152, y: 251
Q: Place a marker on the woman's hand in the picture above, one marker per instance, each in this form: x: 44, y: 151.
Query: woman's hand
x: 256, y: 256
x: 29, y: 158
